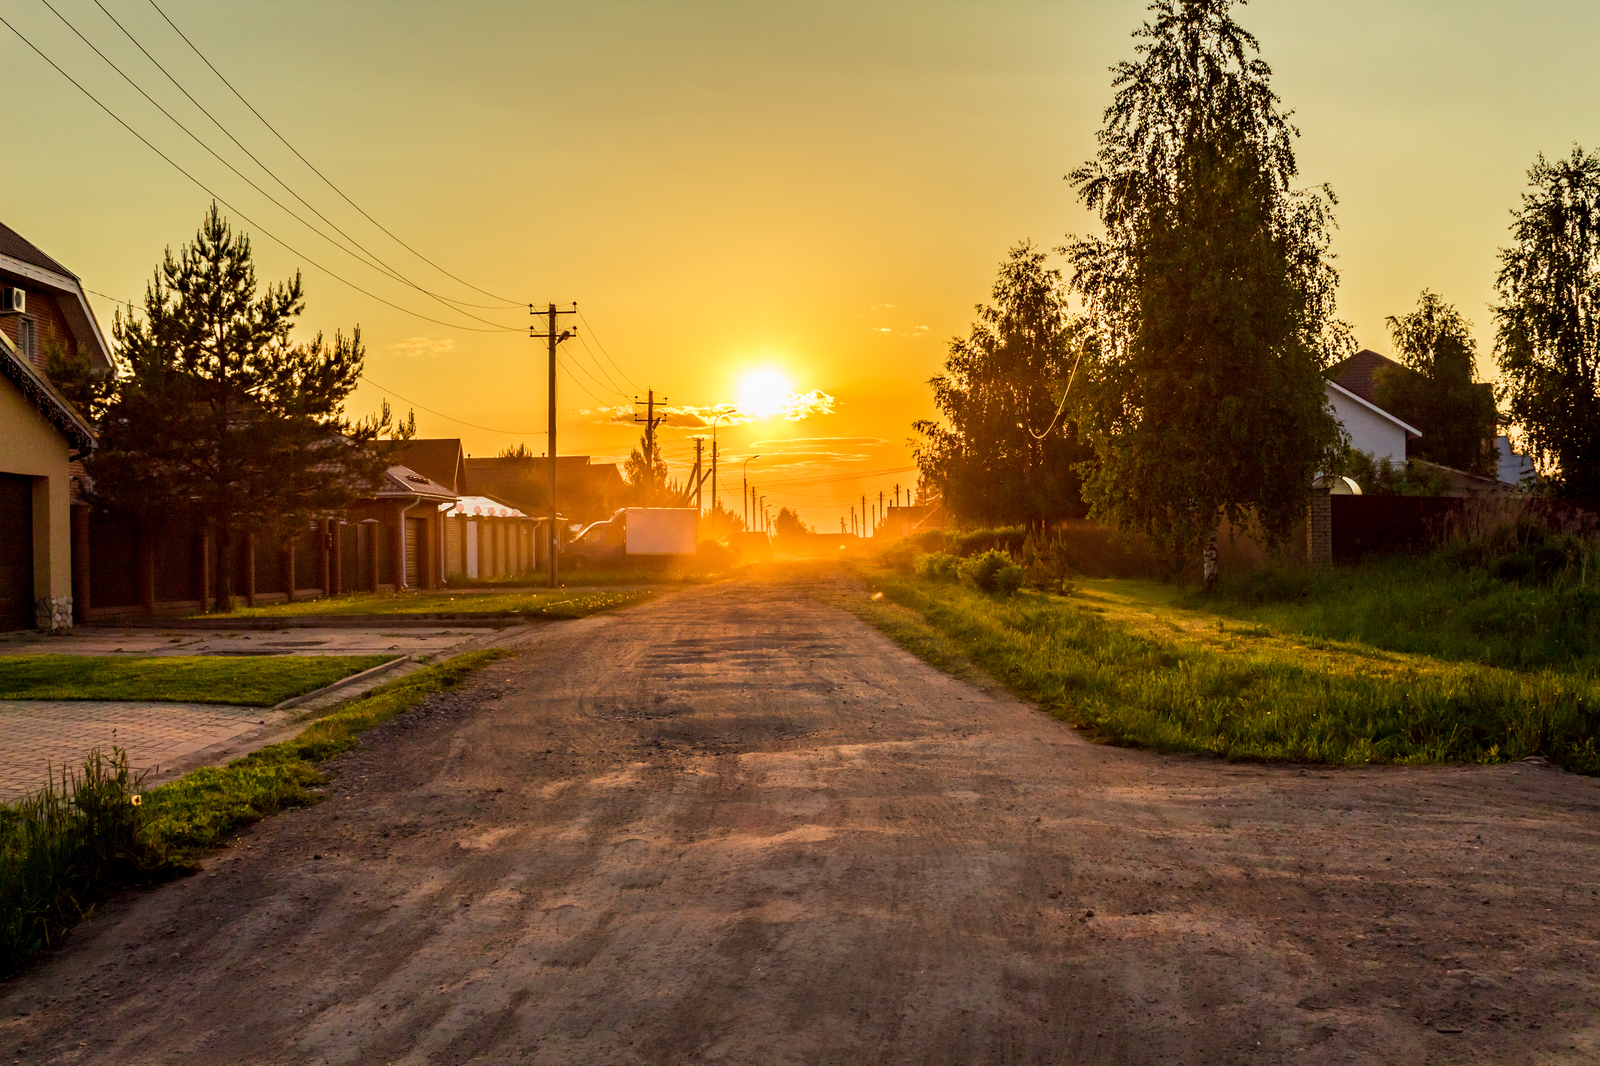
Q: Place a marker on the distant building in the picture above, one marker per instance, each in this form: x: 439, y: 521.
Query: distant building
x: 1511, y: 467
x: 586, y: 491
x: 42, y: 436
x: 1352, y: 396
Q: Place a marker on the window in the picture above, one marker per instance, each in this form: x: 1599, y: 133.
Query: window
x: 25, y: 338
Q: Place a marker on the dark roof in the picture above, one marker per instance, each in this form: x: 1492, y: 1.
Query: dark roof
x: 583, y: 489
x: 404, y: 481
x: 1356, y: 373
x: 440, y: 458
x: 16, y: 246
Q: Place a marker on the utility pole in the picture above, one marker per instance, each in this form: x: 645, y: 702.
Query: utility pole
x: 650, y: 423
x: 897, y: 494
x: 699, y: 505
x: 713, y: 480
x: 552, y: 537
x: 761, y: 512
x: 865, y: 532
x: 852, y: 519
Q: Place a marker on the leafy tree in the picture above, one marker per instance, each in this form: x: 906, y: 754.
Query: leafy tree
x: 520, y: 451
x: 1005, y: 455
x: 1210, y: 295
x: 1547, y: 338
x: 787, y: 523
x: 221, y: 418
x: 1438, y: 392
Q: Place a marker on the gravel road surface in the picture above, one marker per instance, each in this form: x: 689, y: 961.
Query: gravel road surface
x: 736, y: 825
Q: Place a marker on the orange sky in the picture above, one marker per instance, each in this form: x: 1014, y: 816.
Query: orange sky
x: 821, y: 188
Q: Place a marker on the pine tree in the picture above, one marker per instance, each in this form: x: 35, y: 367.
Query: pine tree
x: 221, y: 419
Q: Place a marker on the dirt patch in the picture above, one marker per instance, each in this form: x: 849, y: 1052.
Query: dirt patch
x: 737, y: 825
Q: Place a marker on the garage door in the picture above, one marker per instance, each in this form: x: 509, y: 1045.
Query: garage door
x: 413, y: 547
x: 16, y: 552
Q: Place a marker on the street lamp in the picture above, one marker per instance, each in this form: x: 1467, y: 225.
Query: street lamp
x: 744, y: 479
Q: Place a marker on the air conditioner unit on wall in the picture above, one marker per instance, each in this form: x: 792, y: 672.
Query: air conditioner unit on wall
x: 13, y: 301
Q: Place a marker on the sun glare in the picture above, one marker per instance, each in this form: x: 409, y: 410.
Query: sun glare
x: 764, y: 391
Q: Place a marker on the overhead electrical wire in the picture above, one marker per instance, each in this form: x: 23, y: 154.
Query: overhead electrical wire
x: 377, y: 263
x: 220, y: 199
x: 457, y: 421
x: 602, y: 347
x: 326, y: 180
x: 237, y: 172
x: 601, y: 367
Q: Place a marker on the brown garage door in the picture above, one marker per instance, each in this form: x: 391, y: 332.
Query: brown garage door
x: 413, y: 546
x: 16, y: 552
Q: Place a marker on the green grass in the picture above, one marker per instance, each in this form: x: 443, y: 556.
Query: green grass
x: 1423, y: 605
x: 248, y: 680
x: 71, y: 846
x: 1125, y: 664
x: 532, y: 603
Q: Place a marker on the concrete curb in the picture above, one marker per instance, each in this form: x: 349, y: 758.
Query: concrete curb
x: 307, y: 621
x: 343, y: 682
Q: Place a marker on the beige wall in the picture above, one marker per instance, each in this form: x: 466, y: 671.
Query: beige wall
x: 31, y: 446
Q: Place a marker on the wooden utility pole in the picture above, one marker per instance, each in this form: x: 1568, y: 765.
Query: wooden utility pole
x: 552, y: 536
x: 713, y: 480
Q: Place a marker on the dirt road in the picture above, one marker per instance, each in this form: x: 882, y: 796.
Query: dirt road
x: 735, y: 825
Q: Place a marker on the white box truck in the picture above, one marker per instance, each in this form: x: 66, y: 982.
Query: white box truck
x: 637, y: 531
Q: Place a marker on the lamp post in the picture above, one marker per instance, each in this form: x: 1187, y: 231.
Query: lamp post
x: 744, y: 479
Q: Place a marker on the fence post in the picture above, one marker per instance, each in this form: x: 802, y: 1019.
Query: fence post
x: 1319, y: 528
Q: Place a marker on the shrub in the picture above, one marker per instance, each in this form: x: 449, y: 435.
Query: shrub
x: 983, y: 572
x: 1044, y: 564
x: 1006, y: 539
x: 938, y: 566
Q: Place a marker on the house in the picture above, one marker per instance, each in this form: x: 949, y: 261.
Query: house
x: 487, y: 538
x: 42, y: 436
x: 586, y: 491
x: 1351, y: 391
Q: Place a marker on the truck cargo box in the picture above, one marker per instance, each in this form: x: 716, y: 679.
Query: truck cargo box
x: 662, y: 530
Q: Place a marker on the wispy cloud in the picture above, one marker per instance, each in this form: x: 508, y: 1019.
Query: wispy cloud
x: 423, y: 347
x: 797, y: 408
x: 840, y: 442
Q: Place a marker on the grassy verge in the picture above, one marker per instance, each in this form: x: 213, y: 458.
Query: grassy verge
x: 1137, y: 671
x: 1424, y: 605
x: 533, y: 603
x: 252, y: 681
x: 68, y: 848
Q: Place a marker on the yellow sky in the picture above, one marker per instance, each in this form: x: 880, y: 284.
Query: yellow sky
x: 820, y: 188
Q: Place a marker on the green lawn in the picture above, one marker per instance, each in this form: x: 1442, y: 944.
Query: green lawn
x: 252, y: 681
x: 1425, y: 605
x: 1132, y: 663
x: 538, y: 603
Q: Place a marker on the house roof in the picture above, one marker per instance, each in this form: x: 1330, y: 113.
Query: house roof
x: 1411, y: 431
x: 15, y: 246
x: 23, y: 259
x: 404, y: 481
x: 1356, y: 374
x: 439, y: 458
x: 37, y: 390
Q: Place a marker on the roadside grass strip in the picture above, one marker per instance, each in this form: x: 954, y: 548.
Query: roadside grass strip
x: 245, y: 680
x: 531, y: 603
x: 1421, y: 604
x: 1154, y: 676
x: 69, y: 847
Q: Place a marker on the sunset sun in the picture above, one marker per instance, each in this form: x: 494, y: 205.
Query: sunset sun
x: 763, y: 392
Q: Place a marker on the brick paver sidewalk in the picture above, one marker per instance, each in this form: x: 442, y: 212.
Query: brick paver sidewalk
x: 38, y: 736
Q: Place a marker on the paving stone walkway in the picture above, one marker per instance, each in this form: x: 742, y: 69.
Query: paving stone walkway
x: 38, y: 736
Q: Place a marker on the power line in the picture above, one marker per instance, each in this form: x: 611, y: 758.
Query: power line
x: 457, y: 421
x: 508, y: 301
x: 601, y: 367
x: 237, y: 172
x: 376, y: 263
x: 602, y: 348
x: 208, y: 191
